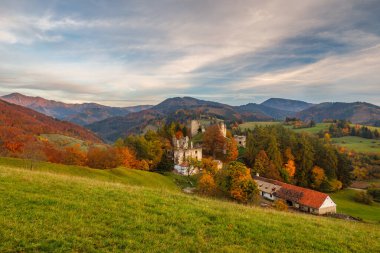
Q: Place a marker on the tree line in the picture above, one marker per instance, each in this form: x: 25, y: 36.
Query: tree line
x: 298, y: 158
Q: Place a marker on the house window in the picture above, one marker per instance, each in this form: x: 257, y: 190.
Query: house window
x: 196, y: 152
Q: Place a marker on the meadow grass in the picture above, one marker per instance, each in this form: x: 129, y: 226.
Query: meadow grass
x: 55, y: 210
x: 253, y: 124
x: 313, y: 130
x: 347, y: 205
x: 64, y: 141
x: 358, y: 144
x: 118, y: 175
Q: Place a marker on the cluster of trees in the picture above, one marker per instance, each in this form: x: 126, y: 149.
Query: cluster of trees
x: 297, y: 123
x: 298, y: 158
x: 219, y: 147
x: 340, y: 128
x: 234, y: 181
x: 95, y: 156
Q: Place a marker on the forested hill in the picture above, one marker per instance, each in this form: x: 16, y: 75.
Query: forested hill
x: 17, y: 122
x: 287, y: 104
x: 81, y: 114
x: 358, y: 112
x: 172, y: 109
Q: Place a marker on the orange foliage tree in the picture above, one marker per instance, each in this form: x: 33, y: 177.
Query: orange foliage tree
x: 232, y: 151
x: 73, y: 155
x: 290, y: 166
x: 213, y: 141
x: 318, y: 176
x: 237, y: 182
x: 206, y: 184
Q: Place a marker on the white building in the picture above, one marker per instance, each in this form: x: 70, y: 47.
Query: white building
x: 240, y: 140
x: 183, y: 151
x: 298, y: 197
x: 197, y: 126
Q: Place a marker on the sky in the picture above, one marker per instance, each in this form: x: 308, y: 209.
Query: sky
x: 124, y: 53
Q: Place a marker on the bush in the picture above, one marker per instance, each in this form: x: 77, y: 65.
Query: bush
x: 363, y: 197
x: 280, y: 205
x: 206, y: 184
x: 375, y: 193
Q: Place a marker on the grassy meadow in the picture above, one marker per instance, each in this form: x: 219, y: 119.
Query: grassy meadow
x: 253, y: 124
x: 66, y: 141
x: 358, y: 144
x: 347, y: 205
x: 57, y: 208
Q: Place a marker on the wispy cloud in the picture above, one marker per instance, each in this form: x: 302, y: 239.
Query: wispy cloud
x: 233, y: 51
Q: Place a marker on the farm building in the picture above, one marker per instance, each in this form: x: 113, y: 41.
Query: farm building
x: 298, y: 197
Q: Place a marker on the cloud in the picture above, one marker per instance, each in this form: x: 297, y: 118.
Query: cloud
x: 233, y: 51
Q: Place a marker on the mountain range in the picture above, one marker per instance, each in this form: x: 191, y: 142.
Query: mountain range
x: 111, y: 123
x: 81, y: 114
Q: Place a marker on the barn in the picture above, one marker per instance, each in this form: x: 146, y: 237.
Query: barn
x: 304, y: 199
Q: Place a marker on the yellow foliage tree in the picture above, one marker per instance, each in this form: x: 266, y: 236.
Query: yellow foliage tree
x: 318, y: 176
x: 206, y: 184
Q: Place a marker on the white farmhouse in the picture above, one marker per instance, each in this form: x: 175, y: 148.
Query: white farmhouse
x: 298, y: 197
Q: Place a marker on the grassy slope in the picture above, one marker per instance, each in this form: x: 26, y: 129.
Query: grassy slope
x: 358, y: 144
x: 253, y: 124
x: 54, y: 209
x: 119, y: 175
x: 346, y: 204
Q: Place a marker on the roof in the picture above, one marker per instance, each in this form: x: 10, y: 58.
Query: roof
x: 296, y: 194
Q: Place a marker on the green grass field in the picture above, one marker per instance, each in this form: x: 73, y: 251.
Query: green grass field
x: 119, y: 175
x: 358, y: 144
x: 347, y: 205
x: 253, y: 124
x: 313, y: 130
x: 56, y: 208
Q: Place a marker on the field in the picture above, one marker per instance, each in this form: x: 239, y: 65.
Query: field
x: 64, y: 208
x: 358, y: 144
x: 313, y: 130
x: 253, y: 124
x: 347, y: 205
x: 66, y: 141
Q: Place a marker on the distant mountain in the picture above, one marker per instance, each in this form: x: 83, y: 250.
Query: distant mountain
x: 81, y: 114
x: 287, y: 104
x: 172, y: 109
x: 278, y: 114
x: 18, y: 122
x: 358, y: 112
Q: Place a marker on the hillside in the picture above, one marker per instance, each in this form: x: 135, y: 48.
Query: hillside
x: 17, y: 122
x: 172, y: 109
x: 81, y: 114
x: 275, y: 113
x: 84, y: 212
x: 286, y: 104
x: 357, y: 112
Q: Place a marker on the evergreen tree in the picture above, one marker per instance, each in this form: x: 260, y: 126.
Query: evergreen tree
x: 305, y: 160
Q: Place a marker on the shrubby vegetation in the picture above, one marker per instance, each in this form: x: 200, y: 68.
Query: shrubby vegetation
x: 340, y: 128
x: 363, y: 197
x: 233, y: 181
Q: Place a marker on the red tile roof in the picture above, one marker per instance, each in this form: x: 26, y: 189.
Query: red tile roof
x: 297, y: 194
